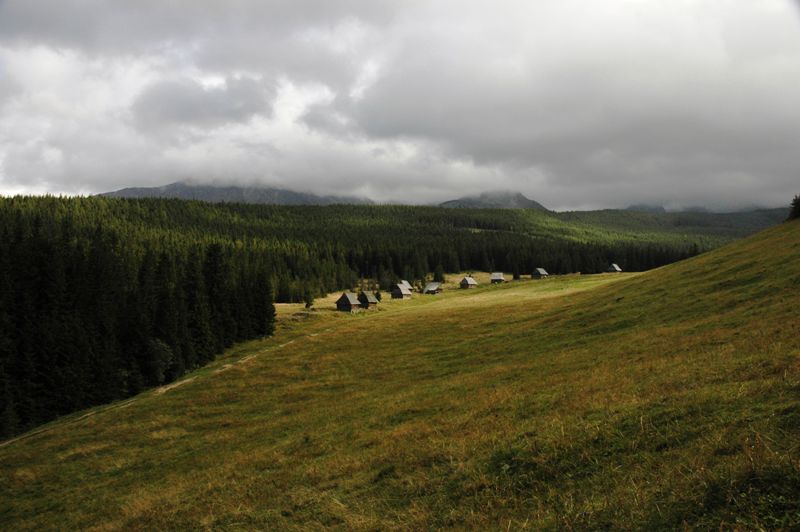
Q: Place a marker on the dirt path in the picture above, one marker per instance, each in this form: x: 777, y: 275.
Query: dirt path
x: 168, y: 387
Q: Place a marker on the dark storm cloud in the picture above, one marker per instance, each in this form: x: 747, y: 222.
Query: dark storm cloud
x: 276, y: 36
x: 113, y: 25
x: 576, y: 103
x: 186, y: 102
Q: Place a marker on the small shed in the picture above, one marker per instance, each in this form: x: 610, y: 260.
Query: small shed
x: 368, y: 299
x: 539, y: 273
x: 432, y: 288
x: 614, y: 268
x: 498, y: 277
x: 348, y: 303
x: 468, y: 282
x: 401, y: 291
x: 406, y: 284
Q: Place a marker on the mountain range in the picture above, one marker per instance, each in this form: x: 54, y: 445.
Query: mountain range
x: 280, y: 196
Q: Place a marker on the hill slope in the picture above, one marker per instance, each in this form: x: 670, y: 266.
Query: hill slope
x: 730, y: 224
x: 505, y: 211
x: 234, y: 194
x: 656, y: 400
x: 103, y: 296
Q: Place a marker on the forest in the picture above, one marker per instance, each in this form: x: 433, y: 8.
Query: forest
x: 101, y: 298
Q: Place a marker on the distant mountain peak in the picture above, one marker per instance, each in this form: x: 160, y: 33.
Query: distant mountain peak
x: 498, y: 199
x: 646, y: 207
x: 235, y: 194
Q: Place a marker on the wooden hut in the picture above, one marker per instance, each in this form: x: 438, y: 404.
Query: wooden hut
x: 406, y: 284
x: 614, y: 268
x: 468, y: 282
x: 498, y: 277
x: 432, y: 288
x: 539, y: 273
x: 401, y: 291
x: 367, y: 299
x: 348, y: 303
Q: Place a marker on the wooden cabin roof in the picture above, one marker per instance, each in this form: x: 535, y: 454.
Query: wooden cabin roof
x: 430, y: 287
x: 369, y: 296
x: 403, y: 289
x: 348, y: 297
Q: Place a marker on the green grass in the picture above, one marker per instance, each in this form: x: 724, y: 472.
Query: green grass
x: 661, y: 400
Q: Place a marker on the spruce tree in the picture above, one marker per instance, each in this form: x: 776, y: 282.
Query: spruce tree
x: 438, y: 274
x: 794, y: 212
x: 308, y: 296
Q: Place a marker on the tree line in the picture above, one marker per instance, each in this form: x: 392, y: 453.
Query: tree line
x: 102, y: 298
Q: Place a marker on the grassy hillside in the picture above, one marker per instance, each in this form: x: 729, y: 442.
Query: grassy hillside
x: 654, y: 400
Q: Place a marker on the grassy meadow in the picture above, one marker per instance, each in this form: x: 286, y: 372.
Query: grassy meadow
x: 660, y: 400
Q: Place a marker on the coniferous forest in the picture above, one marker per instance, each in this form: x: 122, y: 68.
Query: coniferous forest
x: 102, y: 298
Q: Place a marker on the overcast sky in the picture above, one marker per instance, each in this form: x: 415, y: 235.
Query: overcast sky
x: 575, y: 103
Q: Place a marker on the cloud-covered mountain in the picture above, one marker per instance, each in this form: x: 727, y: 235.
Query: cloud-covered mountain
x: 234, y: 194
x: 495, y: 200
x: 643, y: 207
x: 589, y: 104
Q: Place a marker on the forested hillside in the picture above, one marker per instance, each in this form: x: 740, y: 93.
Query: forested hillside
x: 101, y: 297
x: 732, y: 224
x: 96, y: 307
x: 235, y: 194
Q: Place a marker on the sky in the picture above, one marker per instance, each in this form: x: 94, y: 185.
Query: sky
x: 577, y: 104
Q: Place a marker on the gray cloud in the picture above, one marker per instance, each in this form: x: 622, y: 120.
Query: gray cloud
x: 7, y: 90
x: 575, y: 103
x: 113, y: 26
x: 187, y: 102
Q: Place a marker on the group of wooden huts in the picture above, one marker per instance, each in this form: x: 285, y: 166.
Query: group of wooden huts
x: 365, y: 300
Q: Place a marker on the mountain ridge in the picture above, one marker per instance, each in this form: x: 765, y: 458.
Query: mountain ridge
x: 235, y: 194
x: 505, y: 199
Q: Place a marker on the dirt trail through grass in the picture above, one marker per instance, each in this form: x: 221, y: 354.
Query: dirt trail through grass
x: 204, y: 372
